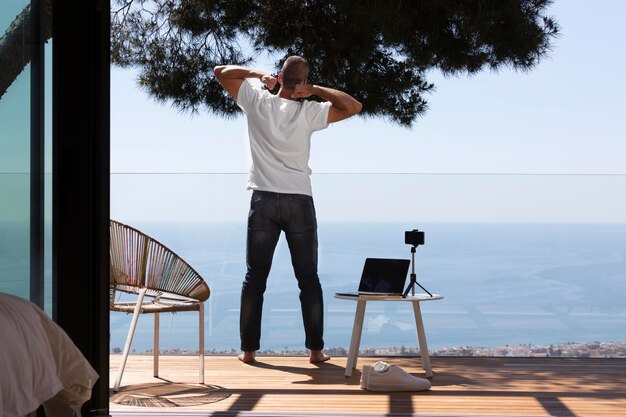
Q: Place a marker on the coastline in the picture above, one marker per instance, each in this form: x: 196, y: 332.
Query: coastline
x: 563, y: 350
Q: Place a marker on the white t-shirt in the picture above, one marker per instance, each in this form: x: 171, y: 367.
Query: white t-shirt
x: 280, y: 139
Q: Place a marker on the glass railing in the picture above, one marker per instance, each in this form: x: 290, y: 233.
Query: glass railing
x: 528, y: 264
x: 15, y: 234
x: 15, y: 237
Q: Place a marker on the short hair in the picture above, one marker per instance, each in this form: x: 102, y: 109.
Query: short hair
x: 295, y: 71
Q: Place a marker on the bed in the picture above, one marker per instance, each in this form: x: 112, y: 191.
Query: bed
x: 39, y: 363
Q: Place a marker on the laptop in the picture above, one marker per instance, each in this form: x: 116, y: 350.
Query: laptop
x: 381, y: 277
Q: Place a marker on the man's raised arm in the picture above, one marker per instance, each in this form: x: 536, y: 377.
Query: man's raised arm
x: 231, y: 77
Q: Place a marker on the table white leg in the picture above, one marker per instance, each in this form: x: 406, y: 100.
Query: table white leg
x: 355, y: 341
x: 421, y: 336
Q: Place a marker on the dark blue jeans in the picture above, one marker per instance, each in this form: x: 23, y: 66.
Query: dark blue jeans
x: 270, y: 213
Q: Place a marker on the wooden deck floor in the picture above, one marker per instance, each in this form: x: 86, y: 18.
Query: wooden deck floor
x: 290, y: 386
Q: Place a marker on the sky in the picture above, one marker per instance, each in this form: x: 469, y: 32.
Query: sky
x: 546, y: 145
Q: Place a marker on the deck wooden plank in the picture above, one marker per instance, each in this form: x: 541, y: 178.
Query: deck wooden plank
x: 461, y: 386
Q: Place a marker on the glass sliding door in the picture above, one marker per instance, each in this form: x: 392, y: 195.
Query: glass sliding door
x: 22, y: 132
x: 15, y: 163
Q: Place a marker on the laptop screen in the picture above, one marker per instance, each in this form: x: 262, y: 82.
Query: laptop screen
x: 384, y: 275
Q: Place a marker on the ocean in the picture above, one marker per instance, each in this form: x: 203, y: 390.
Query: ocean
x: 503, y: 284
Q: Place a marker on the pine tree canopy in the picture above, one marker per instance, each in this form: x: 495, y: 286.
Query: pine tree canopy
x: 378, y: 51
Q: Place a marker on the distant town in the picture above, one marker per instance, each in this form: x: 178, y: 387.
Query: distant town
x: 564, y: 350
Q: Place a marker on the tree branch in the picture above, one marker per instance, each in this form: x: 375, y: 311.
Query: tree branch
x: 16, y: 42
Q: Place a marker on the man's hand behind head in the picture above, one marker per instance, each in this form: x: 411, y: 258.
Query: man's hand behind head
x: 303, y: 91
x: 269, y: 81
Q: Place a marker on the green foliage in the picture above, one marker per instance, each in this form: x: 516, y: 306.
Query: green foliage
x: 379, y: 52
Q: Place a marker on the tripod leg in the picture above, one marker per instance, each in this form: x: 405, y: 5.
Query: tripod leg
x: 423, y: 288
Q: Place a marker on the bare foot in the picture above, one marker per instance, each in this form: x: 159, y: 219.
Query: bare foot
x: 318, y: 356
x: 247, y: 357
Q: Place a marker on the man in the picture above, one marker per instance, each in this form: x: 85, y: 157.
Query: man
x: 279, y: 129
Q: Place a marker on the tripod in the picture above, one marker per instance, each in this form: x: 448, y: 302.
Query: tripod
x: 411, y: 286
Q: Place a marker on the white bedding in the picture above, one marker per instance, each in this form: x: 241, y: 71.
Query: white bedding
x: 38, y: 361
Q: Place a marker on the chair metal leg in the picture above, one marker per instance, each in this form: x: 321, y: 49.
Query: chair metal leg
x: 201, y: 348
x: 129, y: 339
x: 156, y: 346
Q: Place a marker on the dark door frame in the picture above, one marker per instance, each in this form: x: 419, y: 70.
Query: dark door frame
x: 80, y: 184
